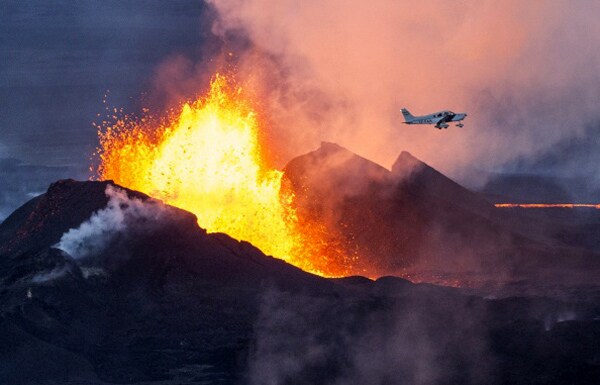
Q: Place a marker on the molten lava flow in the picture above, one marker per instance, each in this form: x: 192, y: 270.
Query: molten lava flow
x: 207, y: 159
x: 547, y: 205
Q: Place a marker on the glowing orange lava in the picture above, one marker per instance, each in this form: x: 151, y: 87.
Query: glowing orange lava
x: 547, y: 205
x: 207, y: 159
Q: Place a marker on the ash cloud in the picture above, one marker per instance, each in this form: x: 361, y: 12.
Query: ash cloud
x: 122, y: 214
x: 526, y: 72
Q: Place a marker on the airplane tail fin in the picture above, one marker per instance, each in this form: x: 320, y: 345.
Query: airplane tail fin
x: 408, y: 117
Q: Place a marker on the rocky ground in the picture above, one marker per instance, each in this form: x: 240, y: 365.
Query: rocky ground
x: 160, y: 301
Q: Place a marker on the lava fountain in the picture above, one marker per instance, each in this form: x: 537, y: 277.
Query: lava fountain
x: 207, y: 158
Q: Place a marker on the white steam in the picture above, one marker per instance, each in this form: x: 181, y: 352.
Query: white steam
x: 93, y: 235
x: 50, y: 275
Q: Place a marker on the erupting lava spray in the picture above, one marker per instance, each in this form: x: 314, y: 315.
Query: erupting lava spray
x: 207, y: 159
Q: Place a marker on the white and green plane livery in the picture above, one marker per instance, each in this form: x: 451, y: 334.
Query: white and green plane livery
x: 440, y: 119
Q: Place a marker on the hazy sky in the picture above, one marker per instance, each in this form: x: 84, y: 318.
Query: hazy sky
x: 528, y: 74
x: 60, y: 57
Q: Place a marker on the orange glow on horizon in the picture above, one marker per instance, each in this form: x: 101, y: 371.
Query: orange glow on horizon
x: 547, y: 205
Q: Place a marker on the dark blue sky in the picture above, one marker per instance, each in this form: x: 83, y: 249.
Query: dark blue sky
x: 59, y: 58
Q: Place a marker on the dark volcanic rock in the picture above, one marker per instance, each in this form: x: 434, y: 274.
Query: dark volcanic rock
x: 177, y: 240
x: 396, y: 219
x: 414, y: 218
x: 159, y: 296
x: 41, y: 222
x: 164, y: 302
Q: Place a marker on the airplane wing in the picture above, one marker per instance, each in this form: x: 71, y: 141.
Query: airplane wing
x: 442, y: 122
x: 458, y: 117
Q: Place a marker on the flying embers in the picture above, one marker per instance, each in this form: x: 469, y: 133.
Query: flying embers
x: 440, y: 119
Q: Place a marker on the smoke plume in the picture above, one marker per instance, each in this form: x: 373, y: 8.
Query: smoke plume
x: 525, y: 72
x: 305, y: 340
x: 121, y: 212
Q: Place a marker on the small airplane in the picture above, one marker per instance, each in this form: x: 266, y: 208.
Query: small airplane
x: 440, y: 119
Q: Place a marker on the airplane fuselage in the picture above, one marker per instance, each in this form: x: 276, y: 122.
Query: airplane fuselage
x: 439, y: 119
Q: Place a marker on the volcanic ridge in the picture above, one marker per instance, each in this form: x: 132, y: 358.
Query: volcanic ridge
x: 101, y: 284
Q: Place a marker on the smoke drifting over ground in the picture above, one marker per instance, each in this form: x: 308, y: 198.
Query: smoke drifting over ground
x: 302, y: 339
x: 121, y: 212
x: 526, y: 72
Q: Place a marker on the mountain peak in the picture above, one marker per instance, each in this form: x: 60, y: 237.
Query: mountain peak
x: 406, y: 164
x: 333, y: 168
x: 331, y: 147
x: 65, y: 205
